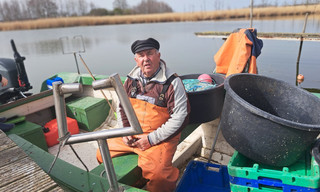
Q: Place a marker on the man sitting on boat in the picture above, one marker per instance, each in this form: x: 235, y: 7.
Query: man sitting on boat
x: 162, y: 107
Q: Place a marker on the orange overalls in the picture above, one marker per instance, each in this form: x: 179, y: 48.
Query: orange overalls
x: 155, y: 162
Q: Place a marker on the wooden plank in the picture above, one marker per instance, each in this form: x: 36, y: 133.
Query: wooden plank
x: 29, y: 105
x: 29, y: 108
x: 5, y: 142
x: 38, y: 181
x: 11, y: 155
x: 66, y: 174
x: 263, y: 35
x: 22, y: 101
x: 56, y: 189
x: 18, y: 170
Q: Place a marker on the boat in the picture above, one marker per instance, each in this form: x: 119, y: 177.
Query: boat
x: 94, y: 111
x: 91, y: 101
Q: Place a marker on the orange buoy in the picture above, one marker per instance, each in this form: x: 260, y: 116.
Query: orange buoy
x: 300, y: 78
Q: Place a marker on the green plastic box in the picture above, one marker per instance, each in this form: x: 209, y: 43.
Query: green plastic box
x: 31, y: 132
x: 90, y: 112
x: 304, y: 173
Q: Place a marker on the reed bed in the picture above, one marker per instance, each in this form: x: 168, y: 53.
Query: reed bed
x: 258, y: 13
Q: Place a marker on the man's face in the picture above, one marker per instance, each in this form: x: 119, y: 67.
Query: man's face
x: 148, y: 61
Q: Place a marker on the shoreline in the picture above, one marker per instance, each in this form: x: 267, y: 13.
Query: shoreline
x: 235, y: 14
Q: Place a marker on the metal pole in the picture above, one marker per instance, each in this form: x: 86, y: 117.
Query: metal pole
x: 59, y: 105
x: 251, y: 13
x: 59, y: 90
x: 110, y: 133
x: 108, y: 165
x: 75, y: 58
x: 300, y: 48
x: 214, y: 144
x: 115, y: 81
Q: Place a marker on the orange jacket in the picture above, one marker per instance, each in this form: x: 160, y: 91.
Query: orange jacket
x: 241, y: 47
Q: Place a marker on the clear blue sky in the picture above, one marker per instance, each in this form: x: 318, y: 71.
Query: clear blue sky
x: 196, y: 5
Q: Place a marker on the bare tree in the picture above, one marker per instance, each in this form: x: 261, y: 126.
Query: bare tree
x: 12, y: 10
x: 42, y: 8
x: 152, y: 6
x: 120, y: 4
x: 83, y: 7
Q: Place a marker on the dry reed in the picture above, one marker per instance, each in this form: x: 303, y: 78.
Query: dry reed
x: 258, y: 13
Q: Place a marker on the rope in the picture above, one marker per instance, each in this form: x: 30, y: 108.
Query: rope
x: 79, y: 158
x: 62, y: 142
x: 111, y: 107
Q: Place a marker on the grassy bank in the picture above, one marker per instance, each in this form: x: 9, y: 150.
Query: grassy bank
x: 258, y: 13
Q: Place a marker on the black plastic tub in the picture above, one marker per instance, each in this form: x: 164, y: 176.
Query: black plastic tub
x: 268, y: 120
x: 206, y: 105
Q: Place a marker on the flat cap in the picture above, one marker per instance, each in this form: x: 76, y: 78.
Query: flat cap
x: 141, y: 45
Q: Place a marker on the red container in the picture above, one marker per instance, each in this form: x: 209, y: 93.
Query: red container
x: 52, y: 136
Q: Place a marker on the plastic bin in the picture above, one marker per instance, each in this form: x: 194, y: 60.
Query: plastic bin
x: 241, y: 188
x: 201, y: 176
x: 50, y: 81
x: 304, y: 174
x: 206, y: 105
x: 266, y: 184
x: 31, y: 132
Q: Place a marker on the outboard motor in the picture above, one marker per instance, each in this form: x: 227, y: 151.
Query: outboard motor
x: 15, y: 72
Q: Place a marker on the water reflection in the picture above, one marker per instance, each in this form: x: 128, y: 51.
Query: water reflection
x: 57, y: 46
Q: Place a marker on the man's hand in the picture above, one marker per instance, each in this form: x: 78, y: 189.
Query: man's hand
x: 140, y: 141
x: 128, y: 140
x: 143, y: 142
x: 4, y: 81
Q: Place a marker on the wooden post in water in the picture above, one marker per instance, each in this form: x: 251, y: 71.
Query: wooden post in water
x: 300, y: 48
x: 251, y: 13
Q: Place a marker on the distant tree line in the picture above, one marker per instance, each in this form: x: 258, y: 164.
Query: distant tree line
x: 219, y: 4
x: 15, y: 10
x: 267, y: 3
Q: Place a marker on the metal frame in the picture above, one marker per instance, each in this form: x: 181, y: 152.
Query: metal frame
x: 59, y: 89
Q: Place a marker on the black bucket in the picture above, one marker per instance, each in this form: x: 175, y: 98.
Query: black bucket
x: 268, y: 120
x: 206, y: 105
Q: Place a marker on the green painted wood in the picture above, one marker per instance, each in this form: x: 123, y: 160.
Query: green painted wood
x: 126, y: 168
x: 188, y: 130
x: 16, y: 119
x: 67, y: 175
x: 317, y: 94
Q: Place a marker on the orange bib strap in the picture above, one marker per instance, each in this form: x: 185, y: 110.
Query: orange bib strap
x: 149, y: 115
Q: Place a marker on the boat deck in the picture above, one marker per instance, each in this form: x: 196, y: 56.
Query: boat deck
x: 18, y: 172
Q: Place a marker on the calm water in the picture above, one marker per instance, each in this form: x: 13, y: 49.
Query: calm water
x: 107, y: 49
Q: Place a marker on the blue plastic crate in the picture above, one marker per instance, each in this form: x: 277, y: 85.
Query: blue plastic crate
x: 201, y: 176
x: 50, y: 81
x: 268, y: 184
